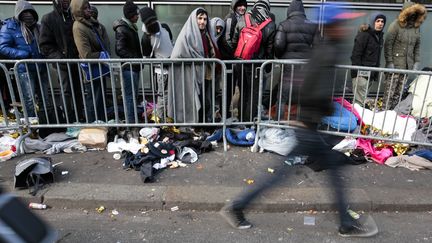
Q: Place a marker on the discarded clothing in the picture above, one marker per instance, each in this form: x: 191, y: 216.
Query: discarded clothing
x: 403, y: 128
x: 341, y: 119
x: 379, y: 156
x: 241, y: 138
x: 70, y: 145
x: 188, y: 155
x: 121, y: 145
x: 277, y: 140
x: 421, y: 88
x: 345, y: 145
x: 413, y: 163
x: 427, y: 154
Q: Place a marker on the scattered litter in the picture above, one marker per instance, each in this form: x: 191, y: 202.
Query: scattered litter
x: 200, y: 167
x: 353, y: 214
x: 308, y: 220
x: 289, y: 229
x: 37, y: 206
x: 300, y: 182
x: 114, y: 212
x: 249, y: 181
x: 410, y: 180
x: 270, y: 170
x: 86, y: 211
x: 295, y: 160
x: 56, y: 164
x: 117, y: 156
x: 173, y: 209
x: 65, y: 172
x: 100, y: 209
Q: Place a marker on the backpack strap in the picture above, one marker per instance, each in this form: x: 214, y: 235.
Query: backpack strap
x: 247, y: 20
x: 263, y: 24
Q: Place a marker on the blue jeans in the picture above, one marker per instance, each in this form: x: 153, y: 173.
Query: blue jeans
x: 130, y: 84
x: 28, y: 82
x: 95, y: 107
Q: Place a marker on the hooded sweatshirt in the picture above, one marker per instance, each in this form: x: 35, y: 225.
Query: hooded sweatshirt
x: 84, y: 32
x: 295, y: 36
x: 160, y: 43
x: 231, y: 21
x: 216, y: 21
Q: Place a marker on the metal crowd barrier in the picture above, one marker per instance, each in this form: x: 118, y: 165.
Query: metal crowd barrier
x: 9, y: 119
x: 377, y: 112
x: 58, y: 93
x: 225, y: 93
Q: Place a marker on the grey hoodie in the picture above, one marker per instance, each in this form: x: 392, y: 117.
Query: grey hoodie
x: 23, y: 5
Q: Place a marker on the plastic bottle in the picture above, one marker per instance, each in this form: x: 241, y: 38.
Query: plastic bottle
x: 37, y: 206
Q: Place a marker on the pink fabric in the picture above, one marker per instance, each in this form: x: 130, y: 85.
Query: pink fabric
x: 349, y: 107
x: 379, y: 156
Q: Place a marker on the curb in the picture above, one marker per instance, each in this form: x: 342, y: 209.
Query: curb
x: 212, y: 198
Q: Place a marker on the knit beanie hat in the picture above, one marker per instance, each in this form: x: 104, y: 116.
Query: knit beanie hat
x: 147, y: 15
x: 240, y: 3
x: 375, y: 16
x: 130, y: 9
x: 262, y: 4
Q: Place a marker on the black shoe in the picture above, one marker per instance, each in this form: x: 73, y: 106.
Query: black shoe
x: 365, y: 226
x: 234, y: 217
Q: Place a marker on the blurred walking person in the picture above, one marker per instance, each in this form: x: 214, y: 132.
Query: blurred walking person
x: 316, y: 102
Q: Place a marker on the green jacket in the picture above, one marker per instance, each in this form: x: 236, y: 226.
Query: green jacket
x: 84, y: 33
x: 402, y: 41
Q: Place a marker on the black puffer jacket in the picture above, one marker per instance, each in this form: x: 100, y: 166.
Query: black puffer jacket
x: 127, y: 43
x: 295, y: 35
x: 56, y: 38
x: 267, y: 41
x: 367, y: 48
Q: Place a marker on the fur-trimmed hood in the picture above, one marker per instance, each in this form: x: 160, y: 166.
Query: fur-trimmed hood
x: 410, y: 8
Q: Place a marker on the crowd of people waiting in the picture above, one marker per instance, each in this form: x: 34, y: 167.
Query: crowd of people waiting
x: 72, y: 31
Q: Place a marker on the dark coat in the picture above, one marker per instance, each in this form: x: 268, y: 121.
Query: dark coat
x: 367, y: 48
x: 56, y: 38
x: 295, y: 35
x: 230, y: 23
x: 267, y: 41
x: 317, y: 87
x: 127, y: 43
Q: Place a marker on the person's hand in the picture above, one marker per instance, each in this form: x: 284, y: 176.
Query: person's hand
x: 416, y: 66
x: 103, y: 55
x: 390, y: 65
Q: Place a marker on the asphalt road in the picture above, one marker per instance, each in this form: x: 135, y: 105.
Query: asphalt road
x: 180, y: 226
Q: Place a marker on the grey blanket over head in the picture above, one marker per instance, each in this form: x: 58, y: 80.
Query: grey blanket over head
x: 184, y: 86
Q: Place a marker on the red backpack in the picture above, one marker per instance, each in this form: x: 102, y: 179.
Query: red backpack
x: 250, y: 39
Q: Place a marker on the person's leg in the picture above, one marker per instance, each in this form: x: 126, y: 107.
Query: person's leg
x: 360, y: 89
x: 245, y: 103
x: 131, y: 82
x: 89, y: 103
x: 27, y: 87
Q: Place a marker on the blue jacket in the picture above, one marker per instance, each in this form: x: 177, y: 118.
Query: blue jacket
x: 13, y: 44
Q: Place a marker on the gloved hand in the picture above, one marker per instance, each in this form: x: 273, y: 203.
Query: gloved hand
x: 416, y: 66
x: 104, y: 55
x: 390, y: 65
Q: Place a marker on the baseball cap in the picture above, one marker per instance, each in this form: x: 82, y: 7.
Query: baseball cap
x: 335, y: 12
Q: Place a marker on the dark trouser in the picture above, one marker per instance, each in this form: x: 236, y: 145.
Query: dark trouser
x: 206, y: 98
x: 249, y: 90
x: 72, y: 93
x: 94, y: 104
x: 309, y: 143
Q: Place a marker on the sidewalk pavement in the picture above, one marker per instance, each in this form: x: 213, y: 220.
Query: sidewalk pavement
x: 95, y: 178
